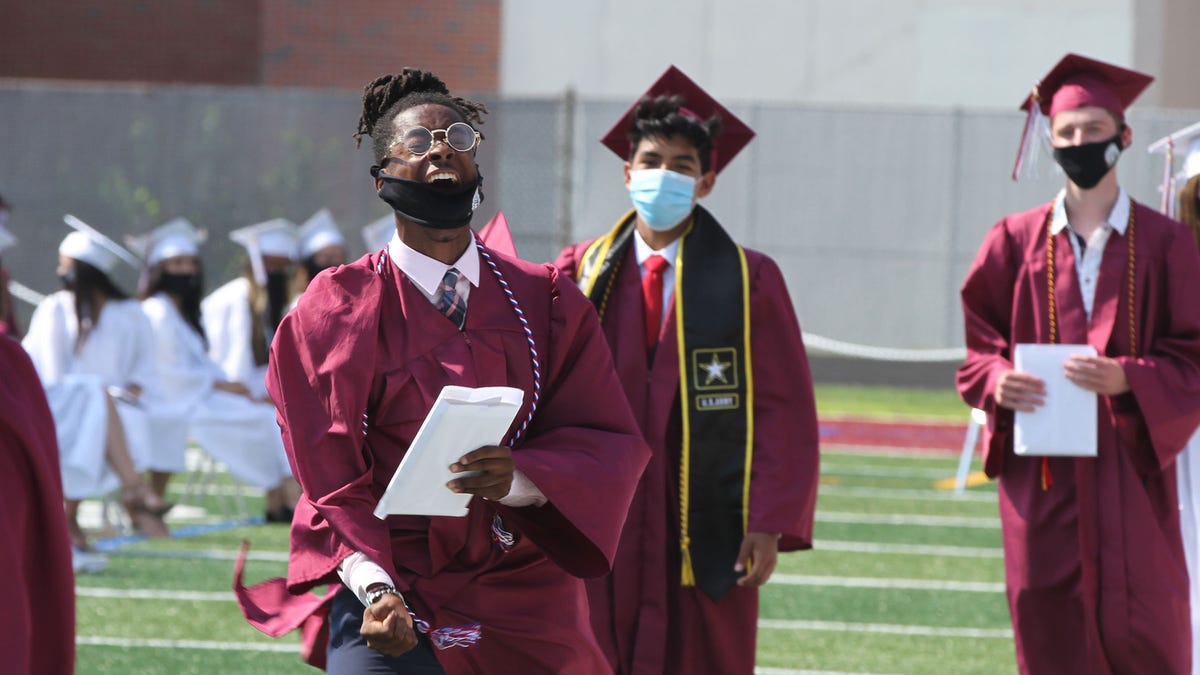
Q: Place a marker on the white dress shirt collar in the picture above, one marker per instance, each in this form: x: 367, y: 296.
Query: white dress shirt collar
x: 427, y: 272
x: 1118, y: 218
x: 643, y: 250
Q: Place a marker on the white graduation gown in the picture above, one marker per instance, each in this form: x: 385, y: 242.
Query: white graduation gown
x: 117, y: 355
x: 241, y: 433
x: 1187, y: 472
x: 227, y: 321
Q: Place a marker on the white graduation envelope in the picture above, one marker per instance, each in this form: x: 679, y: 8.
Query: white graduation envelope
x: 461, y: 420
x: 1065, y: 425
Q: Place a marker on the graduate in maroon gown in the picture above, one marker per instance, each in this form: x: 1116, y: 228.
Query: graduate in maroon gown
x: 1094, y: 564
x: 37, y: 626
x: 708, y: 349
x: 355, y: 368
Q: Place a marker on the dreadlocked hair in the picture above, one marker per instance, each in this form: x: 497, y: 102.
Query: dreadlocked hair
x: 386, y: 96
x: 667, y: 116
x: 1189, y: 205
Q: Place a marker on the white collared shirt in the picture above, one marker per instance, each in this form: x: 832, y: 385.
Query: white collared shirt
x: 642, y: 250
x: 427, y: 272
x: 1087, y: 261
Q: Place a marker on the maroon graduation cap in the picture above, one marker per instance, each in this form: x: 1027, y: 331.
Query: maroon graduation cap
x: 1075, y: 82
x: 734, y: 133
x: 1079, y: 82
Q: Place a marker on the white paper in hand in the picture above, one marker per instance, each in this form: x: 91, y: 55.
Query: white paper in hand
x: 461, y: 420
x: 1065, y: 425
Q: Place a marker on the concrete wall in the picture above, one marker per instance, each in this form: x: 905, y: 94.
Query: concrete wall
x: 983, y: 53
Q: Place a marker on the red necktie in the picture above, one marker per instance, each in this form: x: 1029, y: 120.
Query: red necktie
x: 652, y: 296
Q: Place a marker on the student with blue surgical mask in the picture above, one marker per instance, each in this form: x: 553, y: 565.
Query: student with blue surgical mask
x: 706, y: 343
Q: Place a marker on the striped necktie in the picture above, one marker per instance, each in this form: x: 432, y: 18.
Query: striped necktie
x: 449, y: 302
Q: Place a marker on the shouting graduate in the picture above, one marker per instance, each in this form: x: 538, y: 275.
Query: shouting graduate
x: 355, y: 368
x: 709, y: 352
x: 1094, y: 565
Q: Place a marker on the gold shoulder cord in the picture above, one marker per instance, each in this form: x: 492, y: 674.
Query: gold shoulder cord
x: 1047, y: 479
x: 1130, y: 285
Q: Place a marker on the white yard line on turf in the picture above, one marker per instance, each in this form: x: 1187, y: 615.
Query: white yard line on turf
x: 201, y: 554
x: 143, y: 594
x: 876, y: 470
x: 884, y: 628
x: 907, y: 549
x: 890, y: 583
x: 982, y: 523
x: 907, y: 494
x: 126, y: 643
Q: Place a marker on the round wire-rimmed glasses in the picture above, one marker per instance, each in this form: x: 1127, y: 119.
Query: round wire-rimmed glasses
x: 460, y: 136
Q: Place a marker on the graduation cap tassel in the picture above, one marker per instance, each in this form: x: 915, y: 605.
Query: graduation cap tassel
x: 1037, y: 130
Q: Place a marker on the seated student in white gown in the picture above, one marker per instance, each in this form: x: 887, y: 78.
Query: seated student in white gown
x: 321, y: 246
x: 91, y: 347
x: 196, y: 398
x: 240, y: 318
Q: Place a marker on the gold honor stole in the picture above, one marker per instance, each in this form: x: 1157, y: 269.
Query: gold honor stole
x: 712, y: 319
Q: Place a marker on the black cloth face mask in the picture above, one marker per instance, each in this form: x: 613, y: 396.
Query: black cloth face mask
x: 1086, y: 164
x: 427, y: 205
x: 182, y: 285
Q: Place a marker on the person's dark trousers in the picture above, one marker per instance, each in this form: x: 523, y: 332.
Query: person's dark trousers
x: 349, y: 654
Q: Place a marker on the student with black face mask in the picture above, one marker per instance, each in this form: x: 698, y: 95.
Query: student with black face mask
x: 1096, y: 577
x: 197, y: 400
x: 239, y: 321
x: 321, y: 246
x: 357, y: 365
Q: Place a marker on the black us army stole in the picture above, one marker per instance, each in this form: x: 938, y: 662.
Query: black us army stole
x: 712, y: 319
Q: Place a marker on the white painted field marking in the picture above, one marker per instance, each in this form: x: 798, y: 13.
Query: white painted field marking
x: 127, y: 643
x: 876, y: 470
x: 907, y: 494
x: 908, y: 549
x: 202, y: 554
x: 143, y: 594
x: 976, y: 522
x: 884, y: 628
x: 890, y: 583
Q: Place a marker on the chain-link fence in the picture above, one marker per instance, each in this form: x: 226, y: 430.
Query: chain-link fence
x: 874, y: 215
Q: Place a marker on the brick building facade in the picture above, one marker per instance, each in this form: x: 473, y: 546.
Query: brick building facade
x: 306, y: 43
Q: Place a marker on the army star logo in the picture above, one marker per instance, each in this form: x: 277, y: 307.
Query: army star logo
x: 715, y: 368
x: 715, y: 371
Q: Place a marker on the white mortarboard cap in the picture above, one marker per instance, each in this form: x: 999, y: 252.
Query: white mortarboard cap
x: 7, y: 240
x: 1185, y: 144
x: 177, y: 237
x: 379, y: 233
x: 89, y: 245
x: 274, y: 237
x: 318, y: 232
x: 1191, y: 161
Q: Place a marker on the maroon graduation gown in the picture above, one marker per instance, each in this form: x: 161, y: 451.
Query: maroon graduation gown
x: 353, y: 371
x: 1095, y: 567
x: 644, y: 619
x: 37, y: 624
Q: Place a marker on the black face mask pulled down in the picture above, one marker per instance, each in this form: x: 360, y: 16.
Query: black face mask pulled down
x: 1086, y: 164
x: 427, y: 205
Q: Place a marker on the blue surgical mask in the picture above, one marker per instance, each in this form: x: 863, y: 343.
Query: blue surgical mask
x: 662, y: 198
